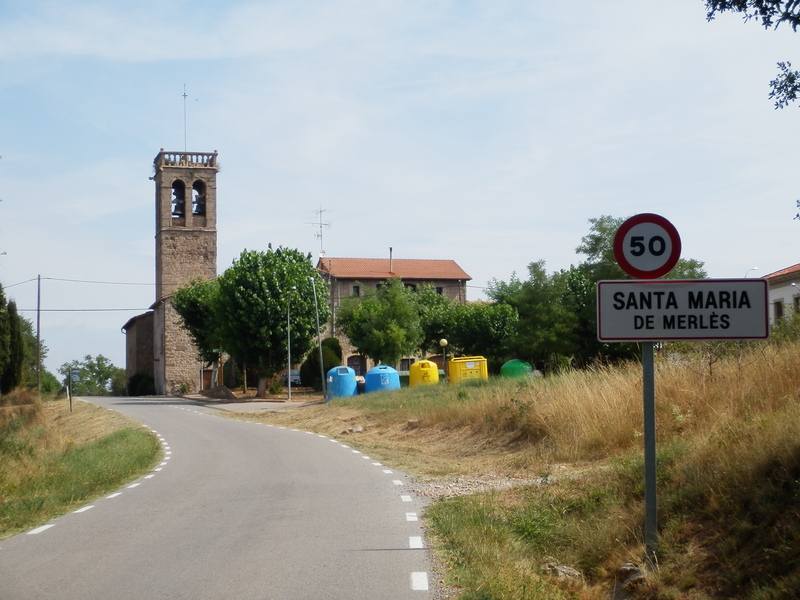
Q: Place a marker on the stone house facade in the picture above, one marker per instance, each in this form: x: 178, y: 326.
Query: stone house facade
x: 351, y: 277
x: 784, y: 295
x: 186, y: 249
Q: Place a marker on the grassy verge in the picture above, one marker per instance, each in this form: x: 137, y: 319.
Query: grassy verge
x: 729, y: 476
x: 52, y: 460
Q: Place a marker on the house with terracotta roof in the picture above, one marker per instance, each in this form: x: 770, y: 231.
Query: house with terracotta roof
x: 352, y: 277
x: 783, y: 291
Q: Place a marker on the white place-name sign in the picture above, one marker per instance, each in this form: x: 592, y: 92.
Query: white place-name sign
x: 703, y: 309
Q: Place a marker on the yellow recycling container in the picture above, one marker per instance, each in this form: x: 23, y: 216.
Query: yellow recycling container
x: 423, y: 372
x: 467, y: 368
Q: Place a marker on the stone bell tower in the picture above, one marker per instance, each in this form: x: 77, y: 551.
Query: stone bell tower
x: 186, y: 249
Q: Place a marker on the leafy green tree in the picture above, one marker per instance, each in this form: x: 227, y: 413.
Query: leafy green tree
x: 384, y: 324
x: 11, y: 374
x: 771, y: 13
x: 253, y: 297
x: 197, y: 304
x: 97, y: 376
x: 436, y: 318
x: 483, y: 329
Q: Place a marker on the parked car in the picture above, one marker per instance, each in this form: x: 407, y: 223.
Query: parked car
x: 295, y: 377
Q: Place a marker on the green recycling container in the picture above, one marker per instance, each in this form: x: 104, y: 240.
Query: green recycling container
x: 516, y: 368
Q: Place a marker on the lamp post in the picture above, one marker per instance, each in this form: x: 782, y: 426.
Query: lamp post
x: 748, y: 270
x: 289, y: 344
x: 319, y: 340
x: 443, y: 344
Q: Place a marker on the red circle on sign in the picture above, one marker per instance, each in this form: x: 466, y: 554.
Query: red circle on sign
x: 650, y: 267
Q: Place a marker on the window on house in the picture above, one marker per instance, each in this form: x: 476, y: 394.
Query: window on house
x: 405, y: 363
x: 411, y: 286
x: 178, y: 199
x: 440, y: 290
x: 778, y: 308
x: 356, y: 290
x: 796, y: 304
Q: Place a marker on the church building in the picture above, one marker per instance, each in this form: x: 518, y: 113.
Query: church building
x: 186, y: 249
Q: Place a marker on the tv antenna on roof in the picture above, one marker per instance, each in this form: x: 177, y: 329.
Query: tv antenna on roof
x: 322, y: 226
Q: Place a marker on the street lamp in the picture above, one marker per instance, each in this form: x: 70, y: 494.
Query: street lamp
x: 319, y: 339
x: 289, y: 344
x: 748, y: 270
x: 443, y: 344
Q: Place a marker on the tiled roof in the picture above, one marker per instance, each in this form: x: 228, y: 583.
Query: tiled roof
x: 379, y: 268
x: 793, y: 270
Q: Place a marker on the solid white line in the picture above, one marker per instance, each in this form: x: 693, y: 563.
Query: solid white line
x: 415, y: 541
x: 84, y: 509
x: 40, y: 529
x: 412, y: 517
x: 419, y: 581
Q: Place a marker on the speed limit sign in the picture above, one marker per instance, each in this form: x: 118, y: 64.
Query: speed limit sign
x: 647, y: 246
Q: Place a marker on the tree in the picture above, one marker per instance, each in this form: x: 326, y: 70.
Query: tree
x: 384, y: 324
x: 97, y: 376
x: 196, y: 303
x: 11, y: 374
x: 253, y: 297
x: 771, y: 13
x: 483, y: 329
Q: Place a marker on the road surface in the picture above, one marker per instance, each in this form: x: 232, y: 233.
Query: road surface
x: 237, y: 510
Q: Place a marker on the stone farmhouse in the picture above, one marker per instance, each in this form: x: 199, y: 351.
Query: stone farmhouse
x: 351, y: 277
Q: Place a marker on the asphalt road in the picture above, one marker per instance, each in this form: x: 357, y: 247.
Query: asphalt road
x: 235, y: 510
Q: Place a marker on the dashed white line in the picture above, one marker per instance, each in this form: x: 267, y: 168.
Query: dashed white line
x: 133, y: 485
x: 41, y: 529
x: 387, y: 471
x: 114, y: 495
x: 397, y: 482
x: 412, y: 517
x: 405, y: 498
x: 419, y: 581
x: 84, y: 509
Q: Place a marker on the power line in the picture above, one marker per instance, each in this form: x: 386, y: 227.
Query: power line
x: 80, y: 309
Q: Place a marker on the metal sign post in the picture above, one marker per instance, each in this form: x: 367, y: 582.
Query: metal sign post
x: 647, y: 247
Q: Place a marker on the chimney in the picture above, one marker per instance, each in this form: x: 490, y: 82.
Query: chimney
x: 390, y: 261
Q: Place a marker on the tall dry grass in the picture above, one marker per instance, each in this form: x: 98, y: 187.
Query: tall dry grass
x: 592, y: 414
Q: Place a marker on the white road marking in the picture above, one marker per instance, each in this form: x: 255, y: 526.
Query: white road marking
x: 84, y: 509
x: 397, y: 482
x: 415, y: 541
x: 419, y: 581
x: 114, y: 495
x: 355, y: 452
x: 412, y: 517
x: 405, y: 498
x: 387, y: 471
x: 377, y: 464
x: 133, y: 485
x: 149, y: 476
x: 40, y: 529
x: 157, y: 469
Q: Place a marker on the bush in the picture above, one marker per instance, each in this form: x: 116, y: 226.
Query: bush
x: 141, y: 384
x: 310, y: 371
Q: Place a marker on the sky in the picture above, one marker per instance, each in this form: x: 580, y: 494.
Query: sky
x: 487, y: 132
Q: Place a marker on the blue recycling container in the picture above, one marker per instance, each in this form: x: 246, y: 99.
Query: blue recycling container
x: 381, y: 378
x: 341, y: 383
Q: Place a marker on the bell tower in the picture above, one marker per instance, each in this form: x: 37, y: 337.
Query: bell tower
x: 186, y: 218
x: 186, y: 249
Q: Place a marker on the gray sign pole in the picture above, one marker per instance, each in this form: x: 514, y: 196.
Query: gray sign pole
x: 650, y: 502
